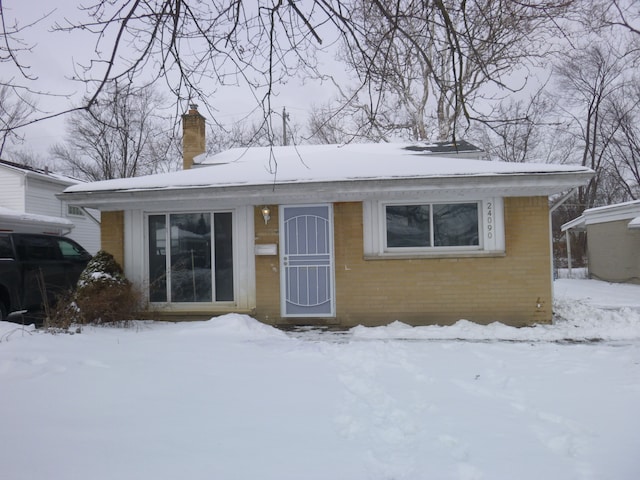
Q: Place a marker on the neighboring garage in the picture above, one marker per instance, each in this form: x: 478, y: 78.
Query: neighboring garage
x: 613, y: 241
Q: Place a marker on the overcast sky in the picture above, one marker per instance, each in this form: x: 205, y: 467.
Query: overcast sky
x: 53, y: 60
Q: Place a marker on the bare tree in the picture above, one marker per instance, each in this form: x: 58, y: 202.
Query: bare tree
x: 247, y: 133
x: 421, y: 65
x: 324, y: 126
x: 613, y: 14
x: 589, y: 80
x: 517, y: 130
x: 624, y: 152
x: 15, y: 108
x: 122, y: 136
x: 13, y: 45
x: 196, y: 46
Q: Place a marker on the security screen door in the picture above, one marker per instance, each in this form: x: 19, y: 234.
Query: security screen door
x: 306, y: 261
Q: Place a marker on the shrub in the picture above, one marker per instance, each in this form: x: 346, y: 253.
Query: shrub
x: 103, y: 295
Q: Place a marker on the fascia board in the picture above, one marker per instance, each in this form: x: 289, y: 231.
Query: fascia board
x: 518, y: 185
x: 626, y: 212
x: 577, y: 223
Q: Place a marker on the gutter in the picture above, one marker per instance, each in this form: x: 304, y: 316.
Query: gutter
x: 353, y: 190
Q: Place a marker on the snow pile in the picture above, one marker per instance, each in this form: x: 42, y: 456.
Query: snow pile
x: 236, y: 327
x: 584, y: 310
x: 577, y: 322
x: 9, y: 331
x: 599, y: 294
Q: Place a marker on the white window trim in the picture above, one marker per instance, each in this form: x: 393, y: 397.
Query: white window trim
x: 490, y: 230
x: 79, y: 212
x: 136, y: 258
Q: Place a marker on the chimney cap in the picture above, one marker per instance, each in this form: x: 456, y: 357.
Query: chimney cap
x: 193, y: 106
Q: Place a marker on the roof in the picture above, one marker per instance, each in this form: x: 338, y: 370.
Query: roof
x: 272, y: 172
x: 12, y: 220
x: 460, y: 147
x: 42, y: 173
x: 608, y: 213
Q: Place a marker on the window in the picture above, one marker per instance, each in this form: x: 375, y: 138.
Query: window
x: 433, y: 228
x: 71, y: 250
x: 6, y: 249
x: 432, y: 225
x: 191, y: 257
x: 37, y: 248
x: 73, y: 210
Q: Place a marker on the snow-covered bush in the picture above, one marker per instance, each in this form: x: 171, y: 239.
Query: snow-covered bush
x: 102, y: 295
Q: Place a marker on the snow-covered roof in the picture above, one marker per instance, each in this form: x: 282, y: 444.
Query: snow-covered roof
x: 42, y: 173
x: 607, y: 213
x: 338, y: 167
x: 12, y: 220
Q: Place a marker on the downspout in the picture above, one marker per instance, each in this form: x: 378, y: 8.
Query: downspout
x: 553, y: 208
x: 25, y: 195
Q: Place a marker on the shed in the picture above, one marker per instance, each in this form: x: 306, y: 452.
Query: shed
x: 613, y: 241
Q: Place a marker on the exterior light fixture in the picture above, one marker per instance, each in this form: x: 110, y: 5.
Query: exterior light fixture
x: 266, y: 214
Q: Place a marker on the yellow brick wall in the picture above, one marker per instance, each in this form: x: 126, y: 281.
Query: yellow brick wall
x: 428, y: 290
x: 193, y: 137
x: 267, y: 269
x: 112, y: 234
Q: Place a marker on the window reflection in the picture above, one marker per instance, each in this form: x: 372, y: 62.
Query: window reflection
x: 432, y: 225
x: 408, y: 226
x: 190, y: 257
x: 455, y: 224
x: 184, y: 256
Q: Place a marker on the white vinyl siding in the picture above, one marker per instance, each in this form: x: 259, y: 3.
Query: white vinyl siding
x: 41, y: 198
x: 12, y: 189
x: 34, y: 193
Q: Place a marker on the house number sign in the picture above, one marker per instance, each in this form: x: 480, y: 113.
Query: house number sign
x: 489, y: 220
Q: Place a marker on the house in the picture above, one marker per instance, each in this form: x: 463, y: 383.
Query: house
x: 28, y: 204
x: 613, y: 241
x: 336, y: 234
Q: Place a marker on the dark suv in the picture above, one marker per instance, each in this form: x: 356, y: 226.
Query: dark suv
x: 37, y: 267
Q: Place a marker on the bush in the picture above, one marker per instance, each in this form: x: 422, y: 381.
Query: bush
x: 103, y: 295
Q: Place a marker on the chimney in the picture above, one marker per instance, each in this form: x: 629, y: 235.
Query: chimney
x: 193, y: 136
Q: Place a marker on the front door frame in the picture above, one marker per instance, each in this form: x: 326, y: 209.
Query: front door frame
x: 284, y: 263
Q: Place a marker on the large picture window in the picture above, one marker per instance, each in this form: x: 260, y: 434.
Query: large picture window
x: 433, y: 228
x: 191, y: 257
x: 432, y: 225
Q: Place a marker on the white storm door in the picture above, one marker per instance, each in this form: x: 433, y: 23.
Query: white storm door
x: 306, y: 261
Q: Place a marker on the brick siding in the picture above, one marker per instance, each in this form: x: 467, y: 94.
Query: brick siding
x: 112, y: 234
x: 514, y: 288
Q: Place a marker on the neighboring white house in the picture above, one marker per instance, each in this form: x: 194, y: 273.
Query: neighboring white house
x: 28, y: 197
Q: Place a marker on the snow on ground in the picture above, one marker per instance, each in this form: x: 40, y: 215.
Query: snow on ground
x: 231, y: 398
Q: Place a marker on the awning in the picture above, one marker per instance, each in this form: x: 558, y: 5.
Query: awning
x: 579, y: 224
